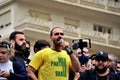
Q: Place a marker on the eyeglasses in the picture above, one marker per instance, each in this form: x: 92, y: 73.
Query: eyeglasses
x: 56, y: 34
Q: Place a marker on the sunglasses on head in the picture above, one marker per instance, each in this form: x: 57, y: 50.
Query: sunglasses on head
x: 56, y: 34
x: 4, y: 45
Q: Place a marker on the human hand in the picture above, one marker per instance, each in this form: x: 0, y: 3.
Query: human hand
x: 4, y: 74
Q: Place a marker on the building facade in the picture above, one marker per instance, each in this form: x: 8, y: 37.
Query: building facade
x: 98, y: 20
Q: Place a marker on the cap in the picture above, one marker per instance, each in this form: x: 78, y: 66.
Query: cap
x: 102, y: 54
x: 92, y: 56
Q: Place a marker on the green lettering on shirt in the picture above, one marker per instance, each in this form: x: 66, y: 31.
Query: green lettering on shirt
x: 61, y: 62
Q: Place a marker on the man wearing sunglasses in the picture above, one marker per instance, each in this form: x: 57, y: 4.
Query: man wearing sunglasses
x: 54, y: 63
x: 101, y: 71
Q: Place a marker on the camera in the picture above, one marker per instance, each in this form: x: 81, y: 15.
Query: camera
x: 81, y: 43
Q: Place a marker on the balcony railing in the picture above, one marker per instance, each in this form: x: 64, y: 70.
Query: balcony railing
x: 101, y: 4
x: 31, y: 20
x: 48, y: 24
x: 72, y: 31
x: 101, y: 37
x: 42, y: 22
x: 114, y: 4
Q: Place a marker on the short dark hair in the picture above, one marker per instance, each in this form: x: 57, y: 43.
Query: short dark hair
x: 13, y: 35
x: 40, y: 43
x: 51, y: 32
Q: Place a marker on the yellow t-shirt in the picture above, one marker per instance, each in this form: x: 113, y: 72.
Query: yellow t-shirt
x: 51, y: 64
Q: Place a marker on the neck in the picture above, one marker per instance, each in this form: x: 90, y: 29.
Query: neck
x: 57, y: 48
x: 103, y: 74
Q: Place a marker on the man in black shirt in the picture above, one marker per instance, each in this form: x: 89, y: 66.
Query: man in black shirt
x: 101, y: 71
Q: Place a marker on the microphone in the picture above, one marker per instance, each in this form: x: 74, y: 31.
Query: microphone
x: 60, y: 41
x: 69, y: 51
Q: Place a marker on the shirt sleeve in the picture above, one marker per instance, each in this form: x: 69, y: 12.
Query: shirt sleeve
x: 19, y: 72
x: 37, y: 60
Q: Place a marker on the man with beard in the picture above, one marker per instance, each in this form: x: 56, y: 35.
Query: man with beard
x: 18, y: 41
x: 54, y: 63
x: 101, y: 71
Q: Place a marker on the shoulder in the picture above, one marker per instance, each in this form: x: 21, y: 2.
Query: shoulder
x: 44, y: 50
x: 88, y: 75
x: 17, y: 64
x: 18, y: 67
x: 115, y: 76
x: 88, y: 72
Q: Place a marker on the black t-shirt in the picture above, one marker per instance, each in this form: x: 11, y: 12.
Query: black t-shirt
x: 91, y: 75
x: 20, y: 58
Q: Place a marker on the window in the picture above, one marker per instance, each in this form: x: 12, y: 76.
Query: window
x: 5, y: 19
x: 95, y: 27
x: 101, y: 28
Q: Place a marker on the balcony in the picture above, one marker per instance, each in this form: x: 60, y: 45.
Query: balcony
x: 30, y: 22
x: 45, y: 26
x: 94, y: 3
x: 106, y: 5
x: 105, y: 39
x: 114, y: 6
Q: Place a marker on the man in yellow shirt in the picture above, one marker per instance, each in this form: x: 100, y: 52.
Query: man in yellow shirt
x: 54, y: 63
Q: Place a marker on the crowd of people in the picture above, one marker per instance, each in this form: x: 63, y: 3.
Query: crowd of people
x: 53, y: 61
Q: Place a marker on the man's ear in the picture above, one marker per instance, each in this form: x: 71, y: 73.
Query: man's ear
x: 36, y: 50
x: 12, y: 42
